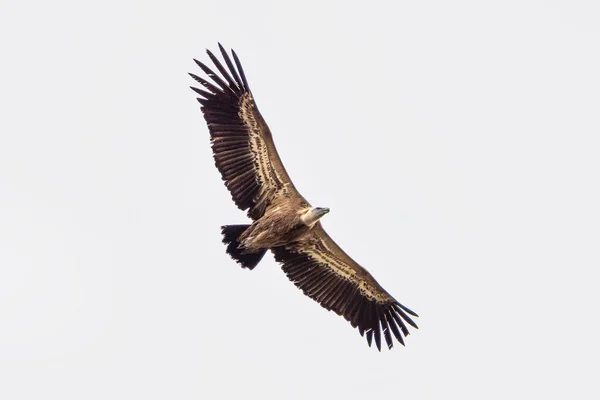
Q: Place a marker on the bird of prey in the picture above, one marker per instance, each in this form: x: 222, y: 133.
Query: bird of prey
x: 282, y: 220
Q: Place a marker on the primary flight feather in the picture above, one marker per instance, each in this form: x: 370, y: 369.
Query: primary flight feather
x: 283, y: 221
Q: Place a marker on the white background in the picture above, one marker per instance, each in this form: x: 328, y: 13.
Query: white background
x: 457, y: 144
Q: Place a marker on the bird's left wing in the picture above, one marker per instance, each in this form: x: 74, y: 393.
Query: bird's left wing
x: 242, y: 144
x: 326, y: 274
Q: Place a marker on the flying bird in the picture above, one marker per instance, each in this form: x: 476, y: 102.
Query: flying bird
x: 282, y: 220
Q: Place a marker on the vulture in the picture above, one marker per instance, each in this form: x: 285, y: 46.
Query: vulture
x: 282, y: 220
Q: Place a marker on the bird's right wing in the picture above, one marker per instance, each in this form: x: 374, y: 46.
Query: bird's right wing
x: 326, y: 274
x: 242, y: 144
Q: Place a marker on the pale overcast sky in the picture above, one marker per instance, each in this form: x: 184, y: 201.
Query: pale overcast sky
x: 456, y: 143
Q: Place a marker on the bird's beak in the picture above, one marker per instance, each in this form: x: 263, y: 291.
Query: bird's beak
x: 321, y: 211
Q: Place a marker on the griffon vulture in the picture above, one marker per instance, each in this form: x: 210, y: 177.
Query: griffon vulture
x: 283, y: 221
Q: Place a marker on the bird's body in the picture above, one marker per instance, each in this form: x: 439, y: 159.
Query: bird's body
x: 283, y: 221
x: 280, y: 225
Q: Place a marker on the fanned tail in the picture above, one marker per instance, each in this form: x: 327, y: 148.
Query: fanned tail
x: 231, y: 233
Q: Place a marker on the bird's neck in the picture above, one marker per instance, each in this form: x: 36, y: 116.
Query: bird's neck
x: 309, y: 218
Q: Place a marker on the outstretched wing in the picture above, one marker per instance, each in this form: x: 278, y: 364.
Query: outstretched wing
x: 326, y: 274
x: 242, y: 144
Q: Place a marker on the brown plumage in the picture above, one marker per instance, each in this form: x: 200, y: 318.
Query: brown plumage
x: 283, y: 221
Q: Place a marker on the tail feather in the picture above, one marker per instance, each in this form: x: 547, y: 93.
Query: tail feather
x: 231, y: 233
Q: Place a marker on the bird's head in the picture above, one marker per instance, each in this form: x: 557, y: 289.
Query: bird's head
x: 313, y: 214
x: 319, y: 211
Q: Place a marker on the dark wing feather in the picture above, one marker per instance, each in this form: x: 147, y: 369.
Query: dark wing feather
x: 242, y: 144
x: 326, y: 274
